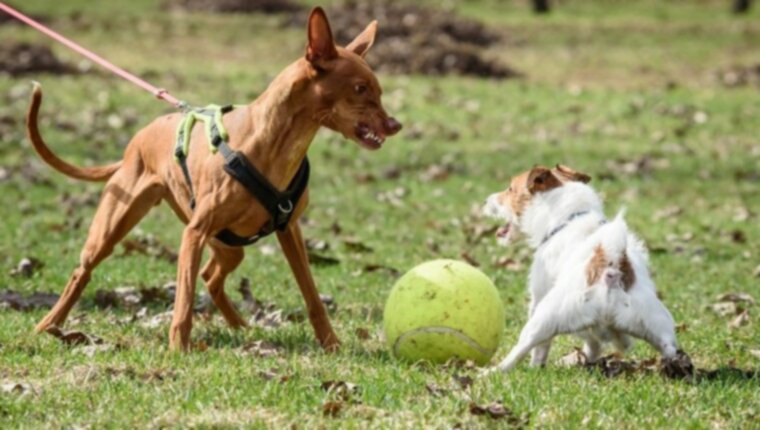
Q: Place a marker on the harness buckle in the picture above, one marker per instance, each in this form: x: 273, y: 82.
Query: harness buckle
x: 287, y: 210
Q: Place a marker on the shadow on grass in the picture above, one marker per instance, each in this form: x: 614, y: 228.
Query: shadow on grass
x: 727, y: 375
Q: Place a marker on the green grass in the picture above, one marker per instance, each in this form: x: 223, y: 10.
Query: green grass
x: 607, y: 83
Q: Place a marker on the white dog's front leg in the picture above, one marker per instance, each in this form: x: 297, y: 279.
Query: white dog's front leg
x: 556, y: 314
x: 540, y: 284
x: 540, y: 329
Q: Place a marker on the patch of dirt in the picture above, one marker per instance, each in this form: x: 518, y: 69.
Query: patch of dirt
x: 415, y: 39
x: 679, y: 367
x: 739, y: 76
x: 6, y: 19
x: 234, y: 6
x: 20, y: 302
x: 18, y: 58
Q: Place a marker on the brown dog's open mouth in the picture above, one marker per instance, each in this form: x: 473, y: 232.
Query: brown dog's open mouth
x: 369, y: 138
x: 503, y: 231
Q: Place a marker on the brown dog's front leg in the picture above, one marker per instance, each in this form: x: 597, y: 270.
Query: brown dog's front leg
x: 295, y: 251
x: 188, y: 266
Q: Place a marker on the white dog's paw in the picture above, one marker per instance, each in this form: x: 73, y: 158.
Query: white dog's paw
x: 488, y: 371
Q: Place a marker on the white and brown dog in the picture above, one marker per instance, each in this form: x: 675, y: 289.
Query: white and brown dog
x: 589, y: 276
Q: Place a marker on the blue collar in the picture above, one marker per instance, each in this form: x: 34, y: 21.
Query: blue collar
x: 559, y: 228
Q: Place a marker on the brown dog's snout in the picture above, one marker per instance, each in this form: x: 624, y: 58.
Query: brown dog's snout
x: 392, y: 126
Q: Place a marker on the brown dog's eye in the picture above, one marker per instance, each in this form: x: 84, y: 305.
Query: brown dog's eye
x: 360, y: 88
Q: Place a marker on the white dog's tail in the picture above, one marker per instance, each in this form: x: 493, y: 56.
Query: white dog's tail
x: 610, y: 264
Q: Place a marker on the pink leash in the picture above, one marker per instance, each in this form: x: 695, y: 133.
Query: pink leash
x: 160, y: 93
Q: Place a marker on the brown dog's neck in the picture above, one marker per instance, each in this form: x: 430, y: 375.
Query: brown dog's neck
x: 284, y: 121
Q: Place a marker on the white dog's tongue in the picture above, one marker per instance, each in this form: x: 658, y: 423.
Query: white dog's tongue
x: 503, y: 231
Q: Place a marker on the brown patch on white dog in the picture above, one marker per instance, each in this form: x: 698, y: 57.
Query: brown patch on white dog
x: 568, y: 174
x: 599, y: 264
x: 629, y: 277
x: 525, y: 185
x: 596, y: 266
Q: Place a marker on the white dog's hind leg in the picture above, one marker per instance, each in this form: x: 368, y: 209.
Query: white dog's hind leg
x: 651, y: 322
x: 592, y: 349
x: 540, y: 353
x: 621, y: 341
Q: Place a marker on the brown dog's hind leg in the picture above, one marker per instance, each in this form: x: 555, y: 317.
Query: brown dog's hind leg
x: 222, y: 262
x: 126, y: 199
x: 295, y: 251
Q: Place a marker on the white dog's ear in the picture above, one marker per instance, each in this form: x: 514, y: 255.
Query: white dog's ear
x: 541, y: 179
x: 572, y: 175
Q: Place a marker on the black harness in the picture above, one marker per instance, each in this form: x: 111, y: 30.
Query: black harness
x: 279, y: 204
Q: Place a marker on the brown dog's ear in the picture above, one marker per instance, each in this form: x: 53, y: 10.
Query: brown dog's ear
x: 321, y: 46
x: 541, y: 179
x: 572, y: 175
x: 361, y: 44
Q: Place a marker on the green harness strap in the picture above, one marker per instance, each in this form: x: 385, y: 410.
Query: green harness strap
x: 211, y: 116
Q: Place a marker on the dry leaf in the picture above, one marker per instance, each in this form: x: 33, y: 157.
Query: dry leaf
x: 355, y: 245
x: 262, y: 348
x: 332, y: 408
x: 26, y: 267
x: 496, y: 411
x: 755, y: 352
x: 328, y: 301
x: 321, y: 260
x: 508, y: 263
x: 74, y: 337
x: 667, y: 212
x: 678, y: 367
x: 469, y: 259
x: 148, y: 245
x: 369, y: 268
x: 464, y: 381
x: 341, y: 389
x: 612, y: 366
x: 575, y: 358
x: 735, y: 298
x: 725, y: 308
x: 362, y: 333
x: 272, y: 374
x: 19, y: 388
x: 158, y: 320
x: 435, y: 390
x: 741, y: 320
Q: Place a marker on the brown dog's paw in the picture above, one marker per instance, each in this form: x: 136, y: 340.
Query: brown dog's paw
x: 331, y: 345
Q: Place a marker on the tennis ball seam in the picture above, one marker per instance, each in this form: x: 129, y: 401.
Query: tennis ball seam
x: 440, y: 329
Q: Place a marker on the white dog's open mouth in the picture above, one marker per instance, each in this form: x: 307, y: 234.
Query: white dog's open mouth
x: 503, y: 231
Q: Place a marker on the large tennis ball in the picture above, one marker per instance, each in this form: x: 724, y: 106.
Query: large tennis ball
x: 444, y: 309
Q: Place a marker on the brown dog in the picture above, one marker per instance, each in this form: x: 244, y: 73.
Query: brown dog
x: 332, y: 87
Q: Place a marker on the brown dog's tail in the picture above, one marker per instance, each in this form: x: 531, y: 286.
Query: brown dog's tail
x: 99, y: 173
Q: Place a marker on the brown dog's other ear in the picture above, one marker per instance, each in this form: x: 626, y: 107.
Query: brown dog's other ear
x: 361, y: 44
x: 321, y: 46
x: 572, y: 175
x: 541, y: 179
